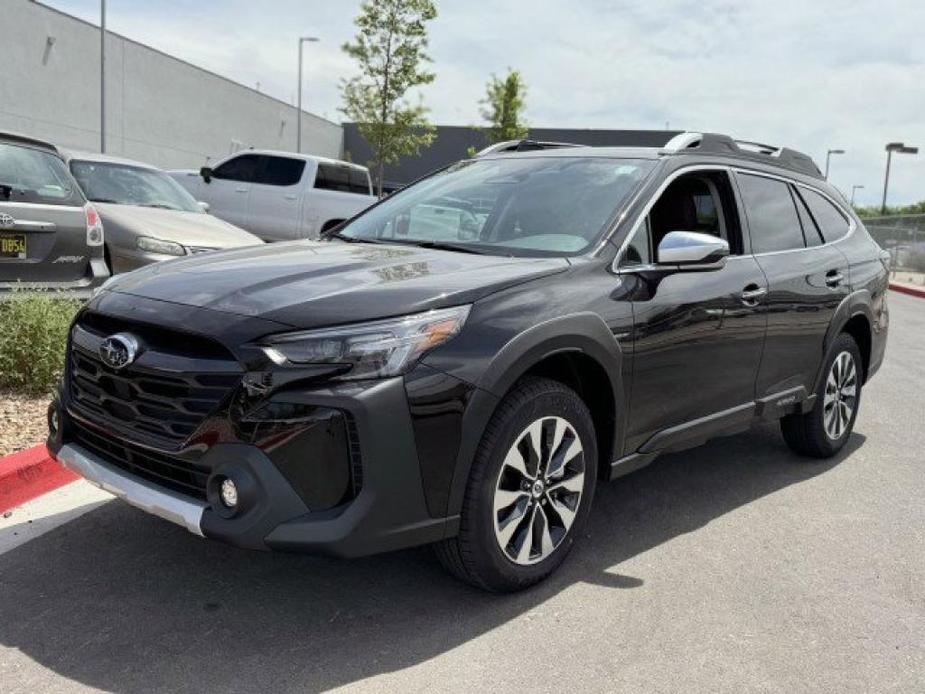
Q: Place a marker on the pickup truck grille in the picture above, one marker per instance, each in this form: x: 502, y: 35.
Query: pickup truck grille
x: 161, y: 398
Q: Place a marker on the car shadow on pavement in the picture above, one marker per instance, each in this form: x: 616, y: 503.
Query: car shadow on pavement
x: 125, y: 602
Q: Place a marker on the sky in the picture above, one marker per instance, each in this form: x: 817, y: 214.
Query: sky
x: 809, y: 74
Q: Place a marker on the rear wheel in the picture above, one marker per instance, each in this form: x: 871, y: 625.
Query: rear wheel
x: 823, y: 431
x: 530, y: 489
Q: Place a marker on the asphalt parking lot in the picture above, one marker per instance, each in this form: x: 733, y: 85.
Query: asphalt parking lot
x: 734, y: 567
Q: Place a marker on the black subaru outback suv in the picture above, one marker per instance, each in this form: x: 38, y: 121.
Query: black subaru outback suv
x: 461, y: 363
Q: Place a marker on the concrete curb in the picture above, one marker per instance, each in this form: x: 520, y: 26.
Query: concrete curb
x: 29, y: 474
x: 907, y: 289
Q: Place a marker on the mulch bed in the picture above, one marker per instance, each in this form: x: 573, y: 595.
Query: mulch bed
x: 22, y: 421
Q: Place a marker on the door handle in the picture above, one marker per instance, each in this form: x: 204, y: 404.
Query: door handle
x: 240, y: 190
x: 833, y: 278
x: 290, y: 196
x: 752, y: 294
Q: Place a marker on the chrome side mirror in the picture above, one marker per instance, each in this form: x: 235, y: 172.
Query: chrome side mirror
x: 692, y: 249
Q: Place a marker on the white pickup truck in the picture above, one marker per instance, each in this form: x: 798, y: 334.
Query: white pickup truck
x: 280, y: 196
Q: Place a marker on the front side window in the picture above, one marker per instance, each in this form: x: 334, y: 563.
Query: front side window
x: 508, y: 206
x: 242, y: 168
x: 832, y: 223
x: 279, y: 171
x: 124, y: 184
x: 772, y: 216
x: 36, y: 176
x: 700, y: 201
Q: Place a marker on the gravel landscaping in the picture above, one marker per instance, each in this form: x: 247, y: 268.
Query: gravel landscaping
x: 23, y: 419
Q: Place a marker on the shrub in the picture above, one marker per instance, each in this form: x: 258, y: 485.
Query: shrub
x: 33, y: 336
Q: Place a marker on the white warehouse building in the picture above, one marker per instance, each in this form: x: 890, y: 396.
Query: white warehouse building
x: 159, y: 109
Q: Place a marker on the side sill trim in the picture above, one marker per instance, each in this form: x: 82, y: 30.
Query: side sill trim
x: 171, y: 507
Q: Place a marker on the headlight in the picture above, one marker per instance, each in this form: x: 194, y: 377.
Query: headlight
x: 146, y: 243
x: 373, y: 350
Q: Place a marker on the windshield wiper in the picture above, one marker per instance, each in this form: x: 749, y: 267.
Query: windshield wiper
x: 349, y: 239
x: 109, y: 200
x: 440, y: 246
x: 162, y: 206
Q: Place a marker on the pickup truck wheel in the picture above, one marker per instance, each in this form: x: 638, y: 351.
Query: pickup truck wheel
x: 530, y: 489
x: 821, y: 432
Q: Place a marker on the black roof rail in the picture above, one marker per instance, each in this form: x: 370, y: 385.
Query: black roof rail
x: 715, y: 143
x: 523, y: 146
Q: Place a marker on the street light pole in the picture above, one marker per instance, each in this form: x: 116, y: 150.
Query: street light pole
x: 298, y: 129
x: 828, y: 156
x: 890, y: 148
x: 854, y: 189
x: 102, y: 75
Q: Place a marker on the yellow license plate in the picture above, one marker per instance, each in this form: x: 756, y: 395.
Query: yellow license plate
x: 12, y: 245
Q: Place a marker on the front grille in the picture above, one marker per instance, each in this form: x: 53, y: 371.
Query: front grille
x: 167, y: 471
x: 163, y: 397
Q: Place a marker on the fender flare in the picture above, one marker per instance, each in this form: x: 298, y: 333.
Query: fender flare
x: 584, y: 333
x: 857, y: 303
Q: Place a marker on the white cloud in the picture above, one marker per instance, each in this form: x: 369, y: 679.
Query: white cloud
x: 809, y: 74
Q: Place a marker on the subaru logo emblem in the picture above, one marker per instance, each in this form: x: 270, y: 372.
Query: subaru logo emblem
x: 6, y: 220
x: 120, y: 350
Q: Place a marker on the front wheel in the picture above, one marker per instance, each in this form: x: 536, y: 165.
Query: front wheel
x: 821, y: 432
x: 529, y: 491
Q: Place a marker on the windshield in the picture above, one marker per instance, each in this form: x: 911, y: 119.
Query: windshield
x: 131, y: 185
x: 507, y: 206
x: 31, y: 175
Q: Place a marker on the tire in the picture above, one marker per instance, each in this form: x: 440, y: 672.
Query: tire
x: 505, y: 496
x: 819, y: 433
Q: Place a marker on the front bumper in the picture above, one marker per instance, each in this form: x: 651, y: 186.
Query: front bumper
x: 388, y: 512
x: 162, y: 503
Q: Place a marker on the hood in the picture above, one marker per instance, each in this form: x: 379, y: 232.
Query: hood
x: 186, y: 228
x: 309, y: 284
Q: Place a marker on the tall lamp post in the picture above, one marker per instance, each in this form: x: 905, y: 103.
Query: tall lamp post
x: 102, y: 75
x: 828, y: 156
x: 298, y: 129
x: 891, y: 147
x: 854, y: 189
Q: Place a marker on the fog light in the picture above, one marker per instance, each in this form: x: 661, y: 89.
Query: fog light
x: 229, y: 493
x: 54, y: 421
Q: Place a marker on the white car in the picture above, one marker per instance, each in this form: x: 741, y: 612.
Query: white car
x: 281, y: 196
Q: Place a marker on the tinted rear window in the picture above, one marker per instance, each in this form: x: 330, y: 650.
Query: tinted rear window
x: 345, y: 179
x: 832, y: 223
x: 33, y: 175
x: 772, y: 218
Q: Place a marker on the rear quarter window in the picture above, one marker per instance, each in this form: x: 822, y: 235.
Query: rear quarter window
x: 345, y: 179
x: 832, y: 223
x: 36, y: 176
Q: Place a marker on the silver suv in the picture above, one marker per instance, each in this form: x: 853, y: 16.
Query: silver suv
x: 50, y: 236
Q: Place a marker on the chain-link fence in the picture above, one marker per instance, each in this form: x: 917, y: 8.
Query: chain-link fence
x: 904, y: 237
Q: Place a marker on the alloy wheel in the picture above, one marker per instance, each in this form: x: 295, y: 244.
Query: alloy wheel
x: 840, y: 398
x: 538, y: 490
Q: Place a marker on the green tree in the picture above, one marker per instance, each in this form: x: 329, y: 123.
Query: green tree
x: 503, y: 108
x: 390, y: 51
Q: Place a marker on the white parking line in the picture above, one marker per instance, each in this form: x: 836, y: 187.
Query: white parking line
x: 37, y: 517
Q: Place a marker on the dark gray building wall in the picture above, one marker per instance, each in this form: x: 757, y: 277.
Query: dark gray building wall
x: 453, y: 140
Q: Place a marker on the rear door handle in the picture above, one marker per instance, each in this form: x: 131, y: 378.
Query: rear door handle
x: 240, y: 190
x: 833, y: 278
x: 752, y: 294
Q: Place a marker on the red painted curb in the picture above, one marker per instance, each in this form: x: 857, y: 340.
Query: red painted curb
x: 906, y: 289
x: 29, y: 474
